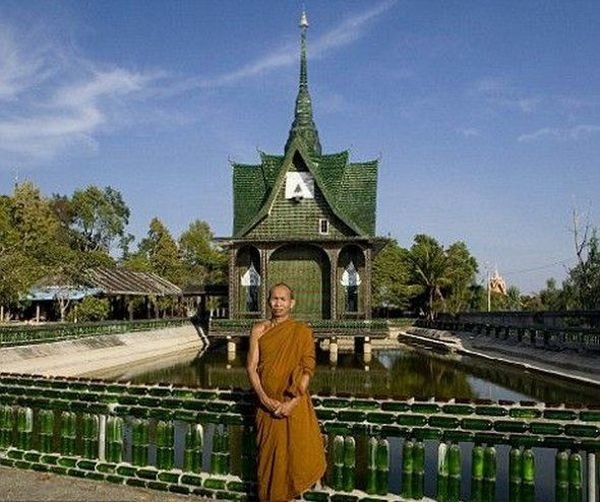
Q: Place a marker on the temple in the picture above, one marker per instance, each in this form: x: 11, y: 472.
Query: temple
x: 304, y: 218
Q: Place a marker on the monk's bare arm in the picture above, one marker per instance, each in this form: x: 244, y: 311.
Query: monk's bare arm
x: 287, y: 407
x: 251, y: 368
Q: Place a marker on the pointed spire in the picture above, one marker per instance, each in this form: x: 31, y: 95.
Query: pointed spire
x: 303, y: 124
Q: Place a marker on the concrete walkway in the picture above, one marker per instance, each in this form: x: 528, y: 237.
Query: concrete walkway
x: 563, y: 364
x: 21, y: 485
x: 95, y: 354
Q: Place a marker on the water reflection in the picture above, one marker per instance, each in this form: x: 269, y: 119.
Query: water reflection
x: 410, y: 372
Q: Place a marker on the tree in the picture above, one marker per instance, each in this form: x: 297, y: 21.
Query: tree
x: 390, y: 277
x: 462, y: 267
x: 28, y: 241
x: 99, y: 216
x: 161, y: 252
x: 551, y: 297
x: 203, y: 260
x: 584, y: 278
x: 428, y: 267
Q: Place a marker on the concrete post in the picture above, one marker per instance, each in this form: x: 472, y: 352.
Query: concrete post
x: 592, y: 477
x: 333, y: 350
x: 231, y: 349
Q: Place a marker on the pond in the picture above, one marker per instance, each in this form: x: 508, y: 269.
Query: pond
x: 407, y: 372
x: 399, y: 373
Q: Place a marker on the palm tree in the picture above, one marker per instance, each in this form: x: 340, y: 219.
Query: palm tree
x: 429, y: 269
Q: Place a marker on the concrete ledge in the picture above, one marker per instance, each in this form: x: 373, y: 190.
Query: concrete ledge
x: 562, y: 364
x: 91, y: 355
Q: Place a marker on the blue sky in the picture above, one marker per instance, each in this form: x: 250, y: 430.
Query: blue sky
x: 485, y: 115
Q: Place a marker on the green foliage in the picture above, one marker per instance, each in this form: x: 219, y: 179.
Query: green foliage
x: 583, y: 281
x: 161, y: 253
x: 203, y: 261
x: 390, y: 277
x: 99, y: 217
x: 428, y: 277
x: 90, y: 309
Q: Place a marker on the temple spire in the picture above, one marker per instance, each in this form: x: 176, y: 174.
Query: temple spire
x: 303, y: 125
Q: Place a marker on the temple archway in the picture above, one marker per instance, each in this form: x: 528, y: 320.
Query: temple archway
x: 306, y: 269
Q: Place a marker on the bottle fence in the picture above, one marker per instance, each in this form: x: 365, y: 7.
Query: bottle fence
x: 202, y: 441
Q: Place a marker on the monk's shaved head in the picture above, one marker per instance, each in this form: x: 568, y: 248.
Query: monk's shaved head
x: 281, y: 285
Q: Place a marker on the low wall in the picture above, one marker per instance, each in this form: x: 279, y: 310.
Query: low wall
x: 202, y: 442
x: 94, y: 354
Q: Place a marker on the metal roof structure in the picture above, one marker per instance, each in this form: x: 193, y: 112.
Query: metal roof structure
x: 119, y: 281
x: 106, y: 282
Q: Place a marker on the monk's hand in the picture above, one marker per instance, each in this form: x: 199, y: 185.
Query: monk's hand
x: 271, y: 404
x: 286, y: 408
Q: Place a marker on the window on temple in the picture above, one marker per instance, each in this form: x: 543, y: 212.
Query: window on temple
x: 250, y: 281
x: 323, y: 226
x: 351, y: 281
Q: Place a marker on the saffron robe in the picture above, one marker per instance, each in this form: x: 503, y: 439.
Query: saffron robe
x: 291, y: 456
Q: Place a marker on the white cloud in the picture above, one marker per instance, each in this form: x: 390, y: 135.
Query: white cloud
x: 500, y: 92
x: 346, y: 32
x: 21, y: 66
x: 53, y: 100
x: 468, y: 132
x: 576, y: 133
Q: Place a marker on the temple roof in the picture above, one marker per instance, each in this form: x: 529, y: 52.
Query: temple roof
x: 349, y: 188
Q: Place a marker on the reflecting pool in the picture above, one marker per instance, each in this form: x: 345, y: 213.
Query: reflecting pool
x: 410, y: 371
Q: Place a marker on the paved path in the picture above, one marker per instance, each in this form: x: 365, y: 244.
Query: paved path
x: 21, y: 485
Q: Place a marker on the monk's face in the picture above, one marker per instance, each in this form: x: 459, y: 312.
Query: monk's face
x: 281, y: 302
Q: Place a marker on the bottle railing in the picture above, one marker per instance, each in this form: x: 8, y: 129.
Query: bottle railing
x: 201, y: 441
x: 321, y: 327
x: 550, y: 338
x: 11, y: 336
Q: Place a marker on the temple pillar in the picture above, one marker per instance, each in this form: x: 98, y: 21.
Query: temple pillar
x: 367, y: 283
x: 233, y: 286
x: 264, y: 261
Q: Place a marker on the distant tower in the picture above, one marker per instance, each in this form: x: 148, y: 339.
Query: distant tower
x: 304, y: 218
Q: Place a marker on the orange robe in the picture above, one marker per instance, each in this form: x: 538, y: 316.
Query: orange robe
x: 291, y: 457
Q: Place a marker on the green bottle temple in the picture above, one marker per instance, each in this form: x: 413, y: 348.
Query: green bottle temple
x: 304, y: 218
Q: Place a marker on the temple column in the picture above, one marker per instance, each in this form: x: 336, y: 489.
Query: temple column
x: 367, y: 282
x: 264, y: 260
x: 333, y: 258
x: 233, y: 286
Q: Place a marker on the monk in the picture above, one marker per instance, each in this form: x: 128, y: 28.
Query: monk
x: 281, y: 361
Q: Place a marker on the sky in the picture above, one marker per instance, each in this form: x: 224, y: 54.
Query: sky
x: 485, y: 116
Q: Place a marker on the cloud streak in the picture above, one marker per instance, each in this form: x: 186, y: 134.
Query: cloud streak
x: 576, y: 133
x: 347, y: 31
x: 500, y: 92
x: 52, y: 100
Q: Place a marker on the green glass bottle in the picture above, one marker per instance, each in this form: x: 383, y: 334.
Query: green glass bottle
x: 383, y: 466
x: 46, y: 430
x: 114, y: 439
x: 454, y: 470
x: 90, y: 435
x: 68, y: 432
x: 371, y: 487
x: 165, y: 451
x: 25, y: 428
x: 418, y: 477
x: 407, y: 468
x: 337, y: 475
x: 442, y: 473
x: 349, y: 464
x: 575, y: 478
